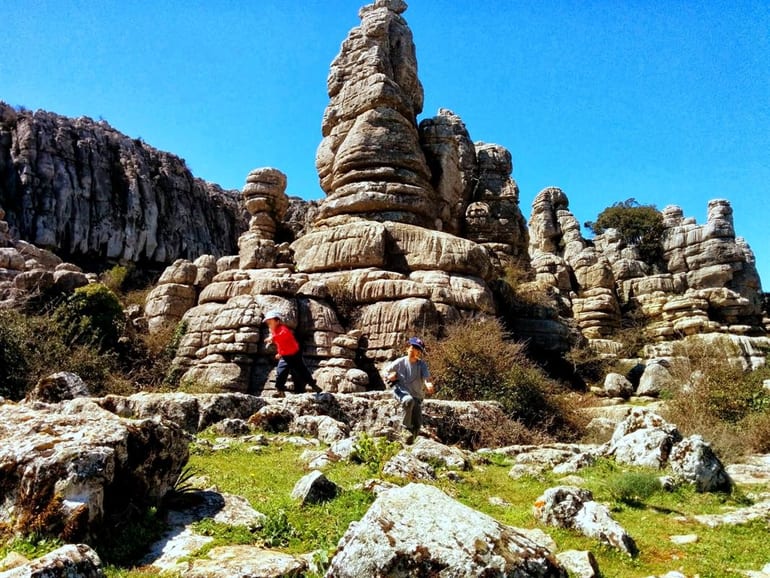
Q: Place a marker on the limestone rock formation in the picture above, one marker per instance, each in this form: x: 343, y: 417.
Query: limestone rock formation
x: 710, y: 284
x: 388, y: 537
x: 68, y: 468
x: 27, y: 271
x: 451, y: 157
x: 87, y: 191
x: 494, y: 218
x: 370, y: 162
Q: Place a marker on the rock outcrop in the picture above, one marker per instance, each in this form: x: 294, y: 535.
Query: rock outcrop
x: 415, y: 226
x: 710, y: 283
x: 28, y: 272
x: 67, y: 469
x: 83, y: 189
x: 370, y: 162
x: 450, y: 538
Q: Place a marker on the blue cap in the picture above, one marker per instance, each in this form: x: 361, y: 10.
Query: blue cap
x: 417, y: 342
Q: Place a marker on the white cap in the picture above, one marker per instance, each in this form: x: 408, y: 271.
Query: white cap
x: 273, y: 314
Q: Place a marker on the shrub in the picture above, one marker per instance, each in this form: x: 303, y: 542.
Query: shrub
x: 478, y: 361
x: 276, y: 530
x: 14, y: 362
x: 93, y: 315
x: 721, y: 401
x: 632, y: 488
x: 639, y: 225
x: 374, y: 452
x: 114, y: 278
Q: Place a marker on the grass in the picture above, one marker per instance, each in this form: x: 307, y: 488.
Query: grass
x: 649, y: 514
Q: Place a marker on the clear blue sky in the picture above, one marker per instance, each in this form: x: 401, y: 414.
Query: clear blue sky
x: 665, y: 101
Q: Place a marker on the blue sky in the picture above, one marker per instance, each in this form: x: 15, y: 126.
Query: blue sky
x: 664, y: 101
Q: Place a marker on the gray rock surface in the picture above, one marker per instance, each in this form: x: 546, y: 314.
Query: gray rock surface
x: 83, y: 465
x: 82, y: 187
x: 69, y: 561
x: 419, y: 530
x: 570, y: 507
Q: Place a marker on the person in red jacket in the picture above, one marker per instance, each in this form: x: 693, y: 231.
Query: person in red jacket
x: 289, y: 357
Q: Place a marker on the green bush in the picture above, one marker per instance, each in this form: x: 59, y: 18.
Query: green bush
x: 638, y: 225
x: 92, y: 315
x: 14, y: 361
x: 276, y: 530
x: 374, y: 452
x: 632, y: 488
x: 478, y: 361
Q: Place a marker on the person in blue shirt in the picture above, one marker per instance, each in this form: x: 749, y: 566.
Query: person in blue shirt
x: 410, y: 377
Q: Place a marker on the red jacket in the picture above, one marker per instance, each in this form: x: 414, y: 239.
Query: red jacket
x: 284, y: 340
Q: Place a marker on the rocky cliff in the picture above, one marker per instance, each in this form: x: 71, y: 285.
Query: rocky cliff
x: 83, y: 189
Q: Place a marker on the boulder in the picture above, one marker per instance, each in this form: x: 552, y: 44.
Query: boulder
x: 82, y: 465
x: 67, y: 561
x: 416, y: 529
x: 570, y: 507
x: 693, y: 460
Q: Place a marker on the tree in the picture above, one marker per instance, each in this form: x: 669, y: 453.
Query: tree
x: 638, y: 225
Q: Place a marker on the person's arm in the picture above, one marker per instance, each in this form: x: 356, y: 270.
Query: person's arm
x: 429, y: 388
x: 390, y: 373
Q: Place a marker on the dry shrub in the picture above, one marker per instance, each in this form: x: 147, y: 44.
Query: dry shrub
x: 720, y: 401
x: 478, y: 361
x: 149, y: 360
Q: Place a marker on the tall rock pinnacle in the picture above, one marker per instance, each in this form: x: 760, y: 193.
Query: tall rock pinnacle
x: 370, y: 162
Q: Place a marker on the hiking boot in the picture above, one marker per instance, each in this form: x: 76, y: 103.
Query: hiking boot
x: 407, y: 437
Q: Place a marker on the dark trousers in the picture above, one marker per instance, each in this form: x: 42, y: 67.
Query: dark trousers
x: 295, y: 366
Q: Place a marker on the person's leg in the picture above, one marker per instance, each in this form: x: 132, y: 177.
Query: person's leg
x: 416, y: 417
x: 407, y: 403
x: 281, y: 375
x: 295, y: 368
x: 301, y: 374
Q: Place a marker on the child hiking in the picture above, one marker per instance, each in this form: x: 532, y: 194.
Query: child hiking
x: 410, y: 377
x: 289, y: 357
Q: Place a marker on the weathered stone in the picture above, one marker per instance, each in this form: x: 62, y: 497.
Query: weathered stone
x: 644, y: 439
x: 98, y: 192
x: 58, y: 387
x: 65, y: 562
x: 417, y: 529
x: 82, y: 465
x: 570, y: 507
x: 314, y: 488
x: 409, y: 467
x: 694, y: 461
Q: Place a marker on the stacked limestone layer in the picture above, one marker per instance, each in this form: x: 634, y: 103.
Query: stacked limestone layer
x: 369, y: 162
x: 266, y: 201
x: 353, y: 293
x: 711, y: 283
x: 27, y: 271
x: 563, y: 260
x: 494, y: 218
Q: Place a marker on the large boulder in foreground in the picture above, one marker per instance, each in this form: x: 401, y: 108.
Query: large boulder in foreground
x: 417, y: 530
x: 66, y: 469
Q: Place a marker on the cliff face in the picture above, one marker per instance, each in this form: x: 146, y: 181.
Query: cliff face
x: 84, y: 189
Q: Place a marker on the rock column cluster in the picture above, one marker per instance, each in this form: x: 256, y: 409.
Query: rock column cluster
x: 710, y: 284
